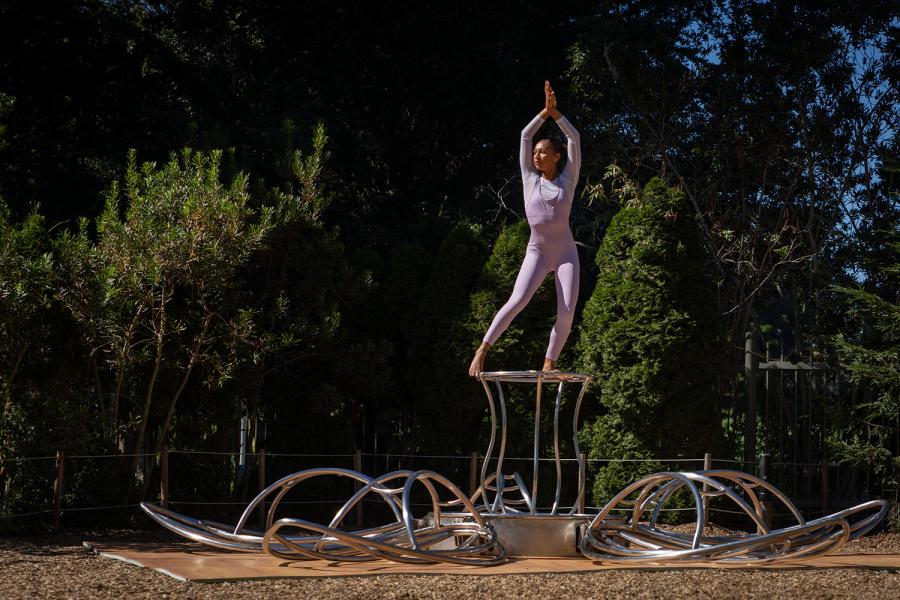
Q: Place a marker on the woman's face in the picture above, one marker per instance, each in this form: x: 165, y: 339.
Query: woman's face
x: 545, y: 156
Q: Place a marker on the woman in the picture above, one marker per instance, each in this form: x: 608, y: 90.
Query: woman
x: 548, y: 201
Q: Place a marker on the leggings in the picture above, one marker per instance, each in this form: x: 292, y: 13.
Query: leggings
x: 551, y: 247
x: 541, y: 259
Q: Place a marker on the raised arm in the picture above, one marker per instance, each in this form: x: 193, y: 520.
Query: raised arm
x: 527, y: 148
x: 573, y: 165
x: 573, y: 148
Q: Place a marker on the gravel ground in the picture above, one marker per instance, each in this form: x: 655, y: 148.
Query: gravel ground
x: 59, y: 567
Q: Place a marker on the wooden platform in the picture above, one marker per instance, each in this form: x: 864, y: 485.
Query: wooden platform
x: 194, y: 562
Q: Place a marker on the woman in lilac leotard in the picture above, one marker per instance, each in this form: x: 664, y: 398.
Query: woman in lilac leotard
x: 548, y: 202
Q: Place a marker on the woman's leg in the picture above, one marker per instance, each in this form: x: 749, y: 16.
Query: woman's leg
x: 567, y: 280
x: 531, y: 275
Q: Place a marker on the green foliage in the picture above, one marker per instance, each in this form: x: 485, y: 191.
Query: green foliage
x: 26, y: 288
x: 27, y: 273
x: 152, y: 294
x: 292, y: 284
x: 607, y: 437
x: 870, y: 355
x: 446, y: 403
x: 649, y: 332
x: 46, y: 405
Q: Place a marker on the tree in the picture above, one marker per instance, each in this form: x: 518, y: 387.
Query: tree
x: 163, y: 265
x: 774, y: 140
x: 443, y: 397
x: 46, y: 402
x: 650, y: 333
x: 869, y: 352
x: 302, y: 292
x: 27, y: 273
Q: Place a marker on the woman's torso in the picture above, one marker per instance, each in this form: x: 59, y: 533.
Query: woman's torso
x: 548, y: 204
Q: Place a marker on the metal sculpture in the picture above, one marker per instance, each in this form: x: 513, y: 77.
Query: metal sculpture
x: 637, y: 538
x: 508, y: 521
x: 406, y: 539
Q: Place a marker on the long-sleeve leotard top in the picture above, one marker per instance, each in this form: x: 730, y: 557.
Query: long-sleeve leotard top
x: 549, y: 201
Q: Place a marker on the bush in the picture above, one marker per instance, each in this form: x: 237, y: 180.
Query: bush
x: 448, y: 406
x: 650, y: 333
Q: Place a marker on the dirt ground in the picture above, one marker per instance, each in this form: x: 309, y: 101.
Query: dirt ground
x: 59, y: 567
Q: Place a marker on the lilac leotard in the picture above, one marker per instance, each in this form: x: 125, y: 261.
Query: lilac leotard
x: 551, y: 246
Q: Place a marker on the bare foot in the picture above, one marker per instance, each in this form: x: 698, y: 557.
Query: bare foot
x: 477, y: 365
x: 549, y: 365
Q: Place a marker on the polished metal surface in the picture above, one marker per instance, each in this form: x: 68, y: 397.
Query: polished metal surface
x: 533, y: 376
x: 405, y: 539
x: 508, y: 523
x: 527, y: 535
x: 627, y: 529
x: 535, y: 466
x: 582, y: 467
x: 557, y: 461
x: 539, y: 535
x: 501, y: 504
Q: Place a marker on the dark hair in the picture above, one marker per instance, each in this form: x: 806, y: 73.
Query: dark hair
x: 559, y: 147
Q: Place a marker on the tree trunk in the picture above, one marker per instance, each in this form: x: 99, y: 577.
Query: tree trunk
x: 120, y: 376
x: 103, y: 413
x: 164, y: 430
x: 148, y: 398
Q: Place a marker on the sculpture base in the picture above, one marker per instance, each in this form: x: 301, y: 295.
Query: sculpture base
x: 527, y: 535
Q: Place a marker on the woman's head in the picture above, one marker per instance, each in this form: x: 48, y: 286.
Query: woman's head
x: 549, y: 156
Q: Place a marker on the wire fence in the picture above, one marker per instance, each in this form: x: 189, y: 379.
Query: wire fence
x: 269, y: 467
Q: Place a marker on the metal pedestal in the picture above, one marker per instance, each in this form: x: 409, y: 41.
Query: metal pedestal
x: 500, y: 483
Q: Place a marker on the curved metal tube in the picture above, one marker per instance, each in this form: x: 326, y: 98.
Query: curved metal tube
x: 614, y: 540
x: 535, y: 475
x: 538, y: 378
x: 556, y: 459
x: 490, y: 448
x: 498, y: 500
x: 582, y: 466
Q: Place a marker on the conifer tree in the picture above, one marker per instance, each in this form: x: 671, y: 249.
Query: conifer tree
x: 442, y: 346
x: 650, y: 334
x: 870, y: 355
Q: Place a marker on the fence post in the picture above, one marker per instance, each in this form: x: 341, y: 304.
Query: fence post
x: 582, y: 460
x: 751, y: 367
x: 707, y: 465
x: 164, y: 477
x: 824, y: 487
x: 763, y: 495
x: 473, y: 473
x: 358, y: 467
x: 262, y: 486
x: 58, y: 486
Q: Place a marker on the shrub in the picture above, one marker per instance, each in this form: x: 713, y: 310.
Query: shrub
x: 650, y: 333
